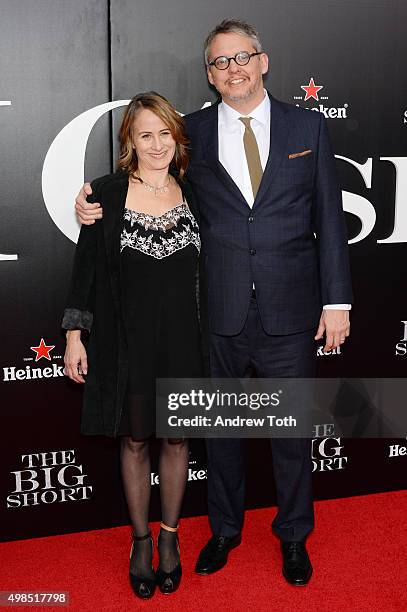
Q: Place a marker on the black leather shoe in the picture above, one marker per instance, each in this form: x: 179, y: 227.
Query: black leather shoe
x: 142, y: 587
x: 297, y: 568
x: 214, y: 555
x: 168, y: 582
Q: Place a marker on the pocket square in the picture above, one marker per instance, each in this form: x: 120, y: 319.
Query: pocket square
x: 300, y: 154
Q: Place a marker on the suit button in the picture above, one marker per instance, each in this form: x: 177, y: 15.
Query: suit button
x: 250, y: 219
x: 252, y: 251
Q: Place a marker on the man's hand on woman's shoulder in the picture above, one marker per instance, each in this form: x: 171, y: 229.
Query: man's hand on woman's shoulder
x: 86, y: 212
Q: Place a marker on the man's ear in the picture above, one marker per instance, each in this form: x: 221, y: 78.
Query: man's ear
x: 264, y: 59
x: 209, y: 75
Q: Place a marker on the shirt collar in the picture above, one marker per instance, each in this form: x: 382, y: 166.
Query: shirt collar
x: 229, y: 117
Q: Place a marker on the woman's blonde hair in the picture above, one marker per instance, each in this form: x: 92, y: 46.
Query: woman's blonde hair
x: 160, y: 106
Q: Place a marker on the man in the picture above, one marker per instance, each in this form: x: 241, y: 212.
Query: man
x: 275, y: 263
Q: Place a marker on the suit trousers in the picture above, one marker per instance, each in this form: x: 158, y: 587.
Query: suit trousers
x: 270, y: 356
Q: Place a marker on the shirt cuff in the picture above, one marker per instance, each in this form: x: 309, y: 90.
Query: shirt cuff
x: 337, y: 306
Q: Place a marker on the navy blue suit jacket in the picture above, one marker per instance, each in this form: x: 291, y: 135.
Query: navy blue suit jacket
x: 292, y: 244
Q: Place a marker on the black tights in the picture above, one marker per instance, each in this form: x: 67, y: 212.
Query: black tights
x: 173, y: 472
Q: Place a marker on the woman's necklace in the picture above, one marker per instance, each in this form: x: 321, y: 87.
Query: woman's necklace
x: 157, y: 190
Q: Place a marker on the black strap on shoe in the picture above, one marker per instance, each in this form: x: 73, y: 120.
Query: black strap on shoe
x: 141, y: 538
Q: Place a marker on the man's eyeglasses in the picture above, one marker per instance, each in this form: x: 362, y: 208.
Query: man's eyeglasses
x: 242, y: 58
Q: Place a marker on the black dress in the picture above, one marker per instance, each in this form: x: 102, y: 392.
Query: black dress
x: 159, y: 260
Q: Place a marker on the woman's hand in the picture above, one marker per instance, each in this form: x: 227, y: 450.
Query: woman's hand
x: 76, y: 361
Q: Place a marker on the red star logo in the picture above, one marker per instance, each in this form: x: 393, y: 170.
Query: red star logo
x: 42, y: 350
x: 311, y: 90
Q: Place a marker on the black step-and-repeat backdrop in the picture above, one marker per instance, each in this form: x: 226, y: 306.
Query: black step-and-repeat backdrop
x: 67, y: 69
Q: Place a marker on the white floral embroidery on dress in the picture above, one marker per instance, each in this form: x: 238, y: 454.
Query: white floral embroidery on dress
x: 157, y: 245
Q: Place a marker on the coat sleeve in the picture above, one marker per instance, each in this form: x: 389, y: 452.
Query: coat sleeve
x: 330, y: 226
x: 78, y: 313
x: 201, y: 290
x: 189, y: 195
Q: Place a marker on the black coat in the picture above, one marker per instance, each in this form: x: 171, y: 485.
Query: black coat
x: 94, y: 306
x: 292, y: 244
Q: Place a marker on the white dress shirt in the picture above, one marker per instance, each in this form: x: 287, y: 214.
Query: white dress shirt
x: 232, y: 155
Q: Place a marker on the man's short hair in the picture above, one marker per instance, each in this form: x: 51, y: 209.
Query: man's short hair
x: 235, y: 26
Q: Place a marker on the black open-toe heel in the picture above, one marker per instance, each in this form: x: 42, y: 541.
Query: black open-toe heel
x: 142, y: 587
x: 168, y: 582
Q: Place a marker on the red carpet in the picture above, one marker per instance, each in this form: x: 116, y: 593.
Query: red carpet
x: 358, y: 550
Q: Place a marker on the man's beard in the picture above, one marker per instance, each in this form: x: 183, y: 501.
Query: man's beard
x: 244, y: 96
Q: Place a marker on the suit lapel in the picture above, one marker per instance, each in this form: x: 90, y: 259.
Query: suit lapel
x: 211, y: 147
x: 278, y: 147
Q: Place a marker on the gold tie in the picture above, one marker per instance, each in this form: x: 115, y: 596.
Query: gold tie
x: 252, y: 155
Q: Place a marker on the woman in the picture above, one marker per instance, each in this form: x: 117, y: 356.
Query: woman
x: 133, y: 294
